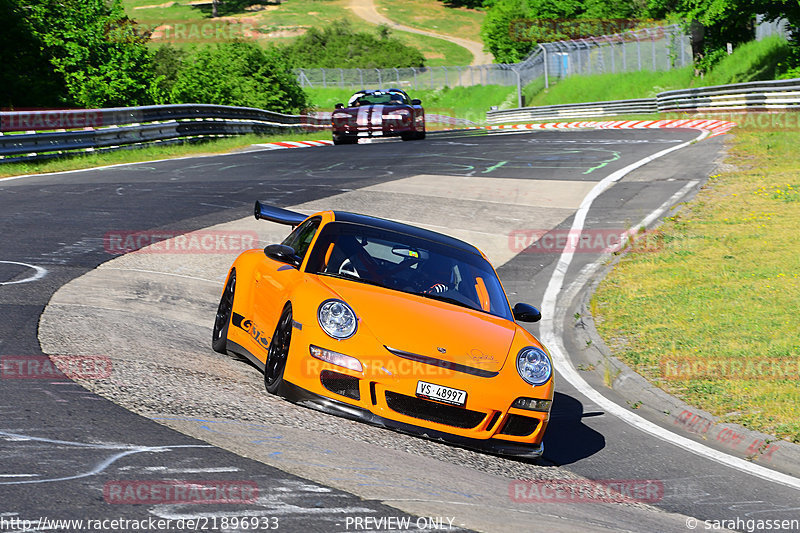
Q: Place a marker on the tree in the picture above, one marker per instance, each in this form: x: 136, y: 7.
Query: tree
x: 239, y: 73
x: 27, y: 78
x: 97, y: 52
x: 513, y: 28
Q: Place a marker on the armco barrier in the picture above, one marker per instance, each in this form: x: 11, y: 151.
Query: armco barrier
x: 592, y: 109
x: 51, y: 133
x: 780, y: 95
x: 777, y: 95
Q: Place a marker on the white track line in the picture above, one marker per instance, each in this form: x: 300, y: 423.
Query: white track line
x: 552, y: 339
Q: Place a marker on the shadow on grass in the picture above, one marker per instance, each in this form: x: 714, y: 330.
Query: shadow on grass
x: 231, y: 7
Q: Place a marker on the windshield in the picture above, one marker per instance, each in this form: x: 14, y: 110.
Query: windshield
x: 409, y: 264
x: 378, y: 97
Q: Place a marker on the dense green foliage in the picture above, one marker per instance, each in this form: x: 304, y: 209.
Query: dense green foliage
x: 88, y: 53
x: 512, y: 28
x: 74, y: 52
x: 341, y: 46
x: 238, y: 73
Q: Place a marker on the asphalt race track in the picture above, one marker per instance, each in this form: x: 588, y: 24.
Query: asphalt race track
x: 182, y: 412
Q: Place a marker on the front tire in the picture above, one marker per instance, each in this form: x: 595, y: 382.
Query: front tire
x: 219, y: 337
x: 344, y: 139
x: 278, y: 351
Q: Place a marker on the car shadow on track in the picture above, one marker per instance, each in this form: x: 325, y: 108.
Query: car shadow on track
x: 568, y: 439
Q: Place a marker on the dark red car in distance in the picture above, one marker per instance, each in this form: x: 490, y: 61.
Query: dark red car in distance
x: 376, y: 113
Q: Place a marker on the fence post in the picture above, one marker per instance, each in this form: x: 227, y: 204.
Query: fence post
x: 446, y: 82
x: 546, y: 79
x: 624, y: 55
x: 341, y: 78
x: 415, y: 77
x: 639, y: 52
x: 653, y: 43
x: 380, y: 80
x: 397, y: 76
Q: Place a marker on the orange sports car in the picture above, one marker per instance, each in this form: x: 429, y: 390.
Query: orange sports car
x: 389, y: 324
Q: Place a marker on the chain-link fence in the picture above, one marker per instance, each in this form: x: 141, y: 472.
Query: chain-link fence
x: 661, y: 48
x: 406, y: 78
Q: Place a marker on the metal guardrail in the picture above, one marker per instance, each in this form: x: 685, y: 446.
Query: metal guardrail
x: 752, y: 96
x: 51, y: 133
x: 779, y: 95
x: 44, y: 134
x: 564, y: 111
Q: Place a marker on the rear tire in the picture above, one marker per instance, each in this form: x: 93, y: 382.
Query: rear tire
x: 278, y: 351
x: 219, y: 337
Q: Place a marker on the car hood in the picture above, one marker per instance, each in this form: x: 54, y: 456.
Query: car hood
x: 426, y: 327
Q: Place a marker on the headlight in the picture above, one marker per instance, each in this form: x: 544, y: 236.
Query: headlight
x: 337, y: 319
x: 534, y: 366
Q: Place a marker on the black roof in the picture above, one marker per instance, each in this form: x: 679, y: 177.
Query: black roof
x: 399, y: 227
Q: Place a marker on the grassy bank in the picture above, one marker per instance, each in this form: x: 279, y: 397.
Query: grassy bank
x: 434, y: 17
x: 720, y: 295
x: 757, y: 60
x: 150, y: 153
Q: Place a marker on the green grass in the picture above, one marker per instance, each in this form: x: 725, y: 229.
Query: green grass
x: 277, y: 24
x: 723, y: 287
x: 757, y: 60
x: 462, y: 102
x: 753, y: 61
x: 150, y: 153
x: 437, y: 52
x: 602, y: 87
x: 434, y: 16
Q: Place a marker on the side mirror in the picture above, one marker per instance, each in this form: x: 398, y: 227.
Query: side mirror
x: 526, y: 313
x: 416, y: 101
x: 339, y: 106
x: 282, y: 253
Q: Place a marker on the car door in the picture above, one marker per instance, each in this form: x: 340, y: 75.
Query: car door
x: 274, y: 281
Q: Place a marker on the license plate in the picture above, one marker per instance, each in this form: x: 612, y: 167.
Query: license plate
x: 441, y: 394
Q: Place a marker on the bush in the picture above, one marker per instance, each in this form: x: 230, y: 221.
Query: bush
x: 341, y: 46
x: 238, y: 73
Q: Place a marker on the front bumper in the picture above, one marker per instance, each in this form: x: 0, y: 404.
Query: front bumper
x: 316, y: 401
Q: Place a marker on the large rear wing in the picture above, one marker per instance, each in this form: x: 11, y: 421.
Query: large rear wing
x: 277, y: 214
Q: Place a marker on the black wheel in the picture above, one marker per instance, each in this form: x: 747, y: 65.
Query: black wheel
x: 420, y: 135
x: 344, y: 139
x: 219, y: 338
x: 278, y: 351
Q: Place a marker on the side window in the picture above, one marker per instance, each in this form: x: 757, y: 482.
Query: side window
x: 300, y: 239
